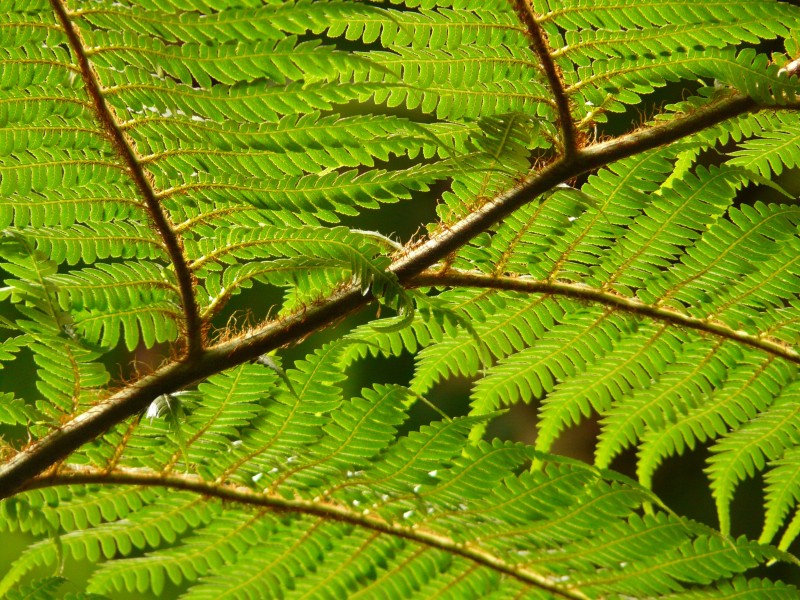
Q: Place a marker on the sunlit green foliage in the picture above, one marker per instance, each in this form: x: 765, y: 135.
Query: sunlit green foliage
x: 159, y: 157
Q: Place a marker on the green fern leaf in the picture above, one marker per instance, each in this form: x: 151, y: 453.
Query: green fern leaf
x: 189, y: 191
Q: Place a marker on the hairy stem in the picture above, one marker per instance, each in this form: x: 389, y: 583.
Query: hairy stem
x: 328, y: 510
x: 172, y: 240
x: 542, y: 50
x: 475, y: 279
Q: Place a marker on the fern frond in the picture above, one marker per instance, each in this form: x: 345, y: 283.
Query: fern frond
x: 701, y: 367
x: 620, y: 191
x: 74, y: 507
x: 69, y: 206
x: 462, y: 84
x: 111, y: 292
x: 89, y: 243
x: 490, y: 25
x: 502, y: 325
x: 641, y: 46
x: 335, y: 246
x: 585, y: 46
x: 230, y: 534
x: 611, y: 84
x: 372, y: 420
x: 580, y: 15
x: 158, y: 158
x: 697, y: 562
x: 560, y: 353
x: 324, y: 194
x: 772, y: 152
x: 740, y: 588
x: 42, y: 589
x: 782, y: 492
x: 677, y: 215
x: 279, y: 60
x: 137, y: 95
x: 146, y: 528
x: 14, y: 411
x: 11, y: 346
x: 329, y: 141
x: 750, y: 388
x: 637, y: 360
x: 66, y: 385
x: 727, y: 251
x: 434, y: 319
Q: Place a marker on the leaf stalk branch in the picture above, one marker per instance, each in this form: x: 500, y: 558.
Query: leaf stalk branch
x: 541, y: 48
x: 242, y: 495
x: 476, y: 279
x: 172, y: 240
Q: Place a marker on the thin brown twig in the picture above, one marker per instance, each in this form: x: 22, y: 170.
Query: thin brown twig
x: 476, y: 279
x: 325, y: 510
x: 541, y: 48
x: 172, y: 240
